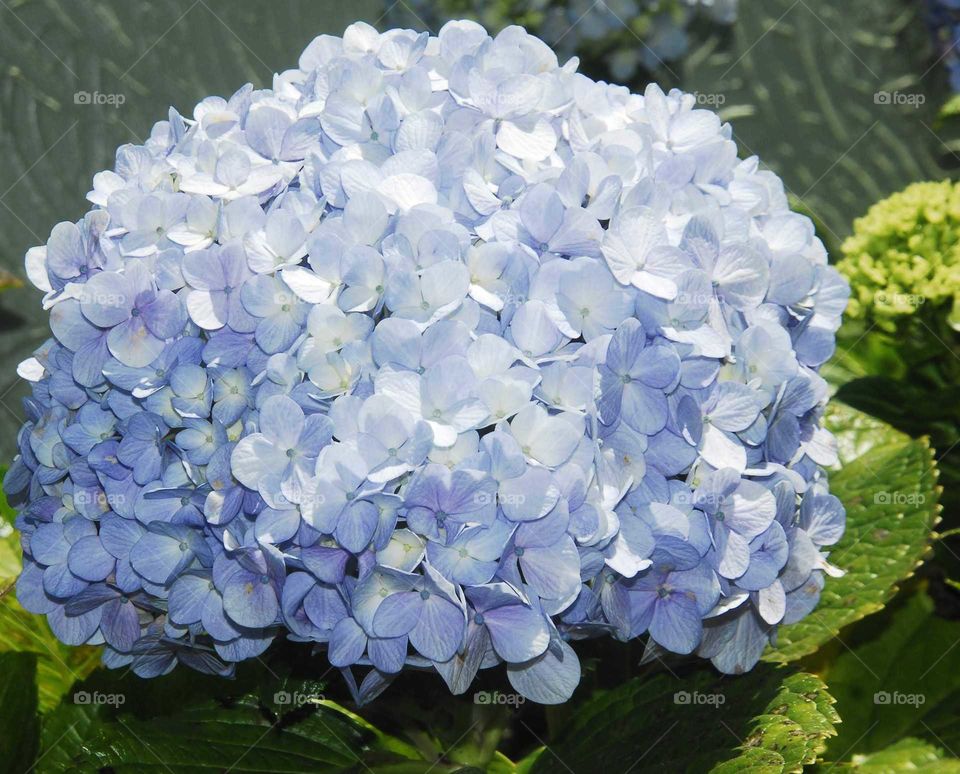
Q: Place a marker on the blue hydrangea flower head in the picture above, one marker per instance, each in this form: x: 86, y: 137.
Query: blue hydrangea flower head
x: 435, y: 355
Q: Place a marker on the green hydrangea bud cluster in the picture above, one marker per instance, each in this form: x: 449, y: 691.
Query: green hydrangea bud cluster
x: 903, y: 260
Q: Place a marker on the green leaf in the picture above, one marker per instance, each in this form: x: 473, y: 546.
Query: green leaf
x: 895, y: 676
x: 857, y: 432
x: 10, y: 555
x: 793, y: 730
x: 892, y: 499
x: 912, y: 408
x: 19, y: 723
x: 62, y: 736
x: 919, y: 408
x: 804, y: 85
x: 776, y: 721
x: 58, y: 665
x: 951, y: 107
x: 239, y: 739
x: 908, y: 756
x: 186, y: 722
x: 10, y: 561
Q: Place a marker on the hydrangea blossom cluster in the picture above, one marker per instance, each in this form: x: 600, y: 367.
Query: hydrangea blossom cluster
x: 903, y: 259
x: 607, y: 32
x: 438, y: 355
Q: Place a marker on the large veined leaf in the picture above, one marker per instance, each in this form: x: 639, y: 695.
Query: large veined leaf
x: 62, y: 734
x: 259, y: 722
x: 19, y: 723
x: 858, y: 433
x: 918, y: 408
x: 894, y: 677
x: 237, y: 739
x: 79, y: 79
x: 827, y: 95
x: 888, y: 483
x: 773, y: 720
x: 909, y: 756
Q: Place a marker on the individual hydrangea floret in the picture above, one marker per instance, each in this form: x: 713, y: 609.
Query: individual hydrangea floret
x: 437, y: 355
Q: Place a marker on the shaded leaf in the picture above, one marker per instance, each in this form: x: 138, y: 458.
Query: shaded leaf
x: 238, y: 739
x: 62, y: 736
x: 895, y: 676
x: 259, y: 722
x: 19, y: 722
x: 58, y: 665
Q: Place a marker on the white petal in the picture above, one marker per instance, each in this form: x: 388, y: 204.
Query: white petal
x: 528, y: 141
x: 309, y: 286
x: 406, y: 190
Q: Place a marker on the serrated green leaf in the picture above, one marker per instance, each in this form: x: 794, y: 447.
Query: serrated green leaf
x: 19, y: 723
x: 892, y: 499
x: 810, y: 88
x: 908, y: 756
x: 773, y: 718
x: 794, y: 728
